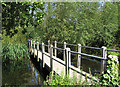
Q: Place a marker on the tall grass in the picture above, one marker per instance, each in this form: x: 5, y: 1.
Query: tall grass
x: 14, y: 51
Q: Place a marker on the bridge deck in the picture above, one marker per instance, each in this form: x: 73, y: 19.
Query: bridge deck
x: 59, y: 67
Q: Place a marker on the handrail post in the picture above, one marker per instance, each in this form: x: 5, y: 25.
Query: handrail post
x: 34, y: 48
x: 43, y: 51
x: 55, y: 49
x: 51, y: 58
x: 104, y: 55
x: 37, y: 51
x: 68, y: 60
x: 31, y: 46
x: 48, y: 46
x: 64, y: 51
x: 79, y: 56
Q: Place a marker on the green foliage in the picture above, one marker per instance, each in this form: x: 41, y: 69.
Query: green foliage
x: 55, y: 79
x: 85, y: 23
x: 17, y: 38
x: 110, y: 76
x: 14, y: 52
x: 21, y: 14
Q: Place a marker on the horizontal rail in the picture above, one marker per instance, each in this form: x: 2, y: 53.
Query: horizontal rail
x: 52, y: 41
x: 60, y: 43
x: 46, y: 54
x: 113, y: 50
x: 90, y: 59
x: 87, y: 55
x: 59, y: 61
x: 72, y: 44
x: 77, y: 45
x: 58, y: 48
x: 87, y: 58
x: 92, y: 47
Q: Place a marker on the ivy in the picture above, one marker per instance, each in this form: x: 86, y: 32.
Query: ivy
x: 111, y: 76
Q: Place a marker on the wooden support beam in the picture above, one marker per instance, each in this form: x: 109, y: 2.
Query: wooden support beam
x: 31, y: 46
x: 48, y: 46
x: 67, y: 60
x: 37, y: 51
x: 64, y: 51
x: 43, y: 51
x: 51, y: 58
x: 104, y: 55
x: 79, y: 56
x: 55, y: 49
x: 34, y: 48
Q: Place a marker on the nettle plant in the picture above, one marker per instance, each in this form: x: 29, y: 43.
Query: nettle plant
x: 110, y: 76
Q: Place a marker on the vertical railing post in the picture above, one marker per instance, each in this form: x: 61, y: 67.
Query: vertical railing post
x: 31, y: 46
x: 34, y: 48
x: 64, y: 51
x: 67, y: 60
x: 48, y: 46
x: 104, y: 55
x: 55, y: 49
x: 43, y: 51
x: 79, y: 56
x: 37, y: 51
x: 51, y: 58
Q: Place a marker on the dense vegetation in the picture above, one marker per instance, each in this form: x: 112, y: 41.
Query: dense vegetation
x: 92, y: 24
x: 17, y: 19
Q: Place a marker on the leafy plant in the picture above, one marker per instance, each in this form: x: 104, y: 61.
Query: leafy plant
x: 14, y: 51
x: 110, y: 76
x: 55, y: 79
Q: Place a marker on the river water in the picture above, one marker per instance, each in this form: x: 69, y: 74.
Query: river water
x: 21, y: 73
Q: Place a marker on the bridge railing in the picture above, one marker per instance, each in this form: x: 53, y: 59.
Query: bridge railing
x: 68, y: 52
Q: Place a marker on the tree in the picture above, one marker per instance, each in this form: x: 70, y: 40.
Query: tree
x: 88, y: 23
x: 21, y: 14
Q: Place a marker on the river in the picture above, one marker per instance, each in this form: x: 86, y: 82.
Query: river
x: 21, y: 73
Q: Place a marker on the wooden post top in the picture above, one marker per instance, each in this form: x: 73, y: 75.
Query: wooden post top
x: 37, y: 42
x: 33, y: 41
x: 104, y: 47
x: 42, y: 43
x: 51, y: 45
x: 79, y: 45
x: 65, y: 43
x: 48, y: 40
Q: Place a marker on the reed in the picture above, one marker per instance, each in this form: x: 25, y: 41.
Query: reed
x: 14, y: 51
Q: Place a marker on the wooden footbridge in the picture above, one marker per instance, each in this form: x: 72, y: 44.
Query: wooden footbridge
x: 64, y: 67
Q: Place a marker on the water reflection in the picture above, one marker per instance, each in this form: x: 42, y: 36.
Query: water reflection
x: 20, y: 73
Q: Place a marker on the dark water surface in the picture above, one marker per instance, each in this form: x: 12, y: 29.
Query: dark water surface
x: 21, y: 73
